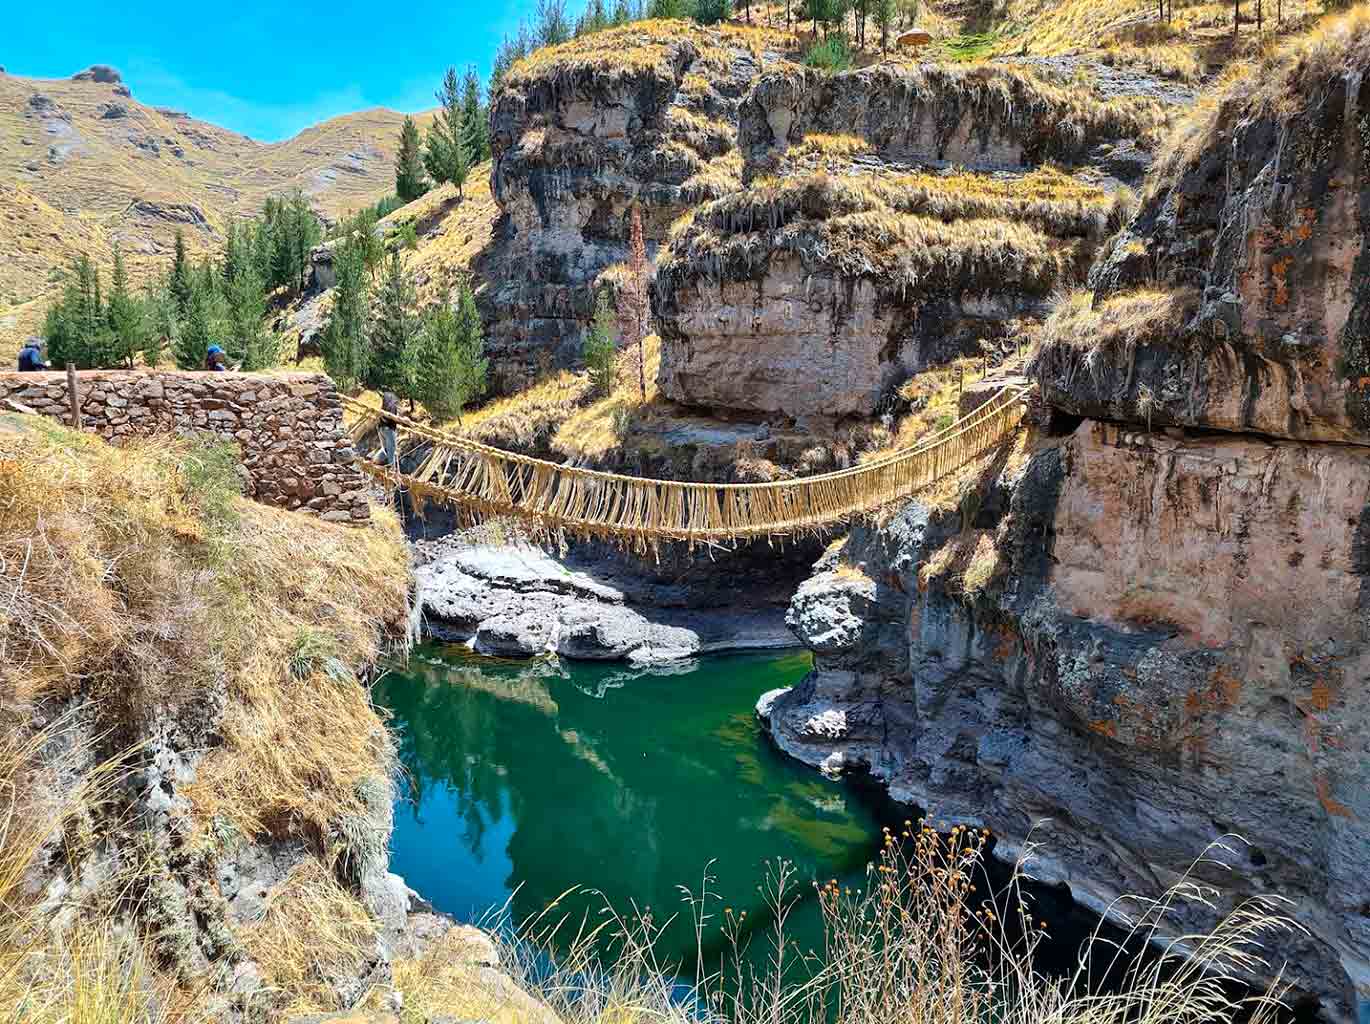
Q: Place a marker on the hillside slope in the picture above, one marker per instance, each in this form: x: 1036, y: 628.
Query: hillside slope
x: 84, y: 164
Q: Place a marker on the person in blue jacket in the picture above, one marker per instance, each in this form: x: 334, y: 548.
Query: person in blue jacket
x: 31, y: 356
x: 215, y: 359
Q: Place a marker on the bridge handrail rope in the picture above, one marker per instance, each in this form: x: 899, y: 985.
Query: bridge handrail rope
x: 484, y: 480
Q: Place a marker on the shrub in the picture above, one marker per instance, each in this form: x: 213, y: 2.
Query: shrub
x: 832, y: 54
x: 599, y: 351
x: 711, y: 12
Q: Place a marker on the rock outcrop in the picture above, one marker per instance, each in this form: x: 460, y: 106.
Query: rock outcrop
x: 520, y: 601
x: 1132, y: 642
x: 1259, y: 211
x: 854, y: 255
x: 580, y: 133
x: 1172, y: 648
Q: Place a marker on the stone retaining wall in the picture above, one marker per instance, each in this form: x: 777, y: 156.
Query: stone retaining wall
x: 289, y: 428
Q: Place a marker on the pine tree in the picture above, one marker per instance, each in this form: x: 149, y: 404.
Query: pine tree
x: 408, y: 163
x: 247, y: 340
x: 124, y: 315
x: 599, y: 349
x: 344, y: 337
x: 409, y: 183
x: 475, y: 123
x: 180, y: 274
x: 206, y: 321
x: 885, y: 11
x: 633, y: 305
x: 553, y: 26
x: 451, y: 365
x: 394, y: 333
x: 511, y: 51
x: 163, y: 322
x: 445, y: 153
x: 77, y: 327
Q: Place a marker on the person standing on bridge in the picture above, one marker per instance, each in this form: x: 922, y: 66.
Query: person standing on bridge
x: 390, y: 403
x: 31, y: 356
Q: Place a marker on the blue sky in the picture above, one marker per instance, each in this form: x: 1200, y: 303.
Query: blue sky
x: 264, y: 69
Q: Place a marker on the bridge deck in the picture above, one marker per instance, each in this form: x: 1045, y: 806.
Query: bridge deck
x: 487, y: 481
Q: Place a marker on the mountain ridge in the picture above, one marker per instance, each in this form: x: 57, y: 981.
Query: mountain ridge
x: 85, y: 164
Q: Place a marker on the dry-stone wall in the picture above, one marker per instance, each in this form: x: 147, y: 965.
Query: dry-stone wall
x: 289, y: 428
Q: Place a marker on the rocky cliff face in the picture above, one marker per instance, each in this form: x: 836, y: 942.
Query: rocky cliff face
x: 1139, y: 641
x: 580, y: 133
x: 1260, y: 211
x: 892, y: 218
x: 1170, y: 648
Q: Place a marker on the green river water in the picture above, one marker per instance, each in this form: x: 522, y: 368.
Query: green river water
x: 526, y: 779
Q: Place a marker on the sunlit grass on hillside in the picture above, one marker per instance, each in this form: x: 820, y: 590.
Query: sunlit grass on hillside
x: 140, y: 582
x: 620, y: 418
x: 646, y: 46
x: 140, y: 568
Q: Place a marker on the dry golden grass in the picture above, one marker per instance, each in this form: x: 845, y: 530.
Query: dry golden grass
x: 1279, y: 83
x: 605, y: 426
x: 926, y: 939
x: 650, y: 46
x: 1100, y: 334
x: 137, y: 574
x: 529, y: 419
x: 833, y: 145
x: 858, y: 228
x: 313, y: 931
x: 455, y: 980
x: 1117, y: 29
x: 451, y: 233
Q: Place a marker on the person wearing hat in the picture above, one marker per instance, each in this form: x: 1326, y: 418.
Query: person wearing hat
x: 215, y: 359
x: 31, y: 356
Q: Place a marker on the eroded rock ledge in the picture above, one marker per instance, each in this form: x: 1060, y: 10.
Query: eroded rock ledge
x: 1167, y: 645
x: 521, y: 601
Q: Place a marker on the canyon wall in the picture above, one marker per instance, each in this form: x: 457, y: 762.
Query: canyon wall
x: 1148, y: 630
x: 288, y: 428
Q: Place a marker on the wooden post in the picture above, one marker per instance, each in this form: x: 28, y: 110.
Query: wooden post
x: 74, y: 395
x: 960, y: 375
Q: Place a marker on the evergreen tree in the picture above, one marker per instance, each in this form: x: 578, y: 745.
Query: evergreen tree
x: 247, y: 341
x: 553, y: 26
x: 885, y: 12
x: 162, y: 322
x: 599, y: 349
x: 511, y: 50
x: 475, y: 119
x: 77, y: 327
x: 206, y: 321
x: 180, y: 274
x: 124, y: 315
x: 394, y: 333
x: 344, y: 338
x: 445, y: 155
x: 409, y: 183
x: 451, y: 365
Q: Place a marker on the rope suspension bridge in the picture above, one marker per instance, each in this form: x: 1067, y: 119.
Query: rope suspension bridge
x: 483, y: 482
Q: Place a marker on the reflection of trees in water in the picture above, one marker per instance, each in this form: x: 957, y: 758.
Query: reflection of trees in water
x: 499, y: 741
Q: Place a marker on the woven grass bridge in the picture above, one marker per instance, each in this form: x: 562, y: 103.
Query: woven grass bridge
x: 482, y: 481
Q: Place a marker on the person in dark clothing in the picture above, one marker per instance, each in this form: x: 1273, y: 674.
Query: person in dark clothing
x: 215, y: 359
x: 31, y: 356
x: 390, y: 403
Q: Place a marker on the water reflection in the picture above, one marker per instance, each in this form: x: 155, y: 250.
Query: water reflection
x: 526, y: 780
